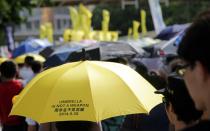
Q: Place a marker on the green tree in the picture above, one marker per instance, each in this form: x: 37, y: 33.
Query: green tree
x: 120, y: 19
x: 10, y: 13
x: 183, y: 11
x: 178, y: 12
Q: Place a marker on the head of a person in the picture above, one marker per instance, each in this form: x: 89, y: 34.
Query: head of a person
x: 8, y: 69
x: 179, y: 104
x: 141, y: 69
x: 157, y: 81
x: 75, y: 125
x: 36, y: 66
x: 194, y: 50
x: 28, y: 60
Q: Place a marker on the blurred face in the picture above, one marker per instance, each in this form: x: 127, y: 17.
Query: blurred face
x: 194, y: 81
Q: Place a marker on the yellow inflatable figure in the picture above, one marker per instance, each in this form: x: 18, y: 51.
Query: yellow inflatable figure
x: 42, y: 32
x: 85, y: 19
x: 49, y: 32
x: 143, y: 22
x: 106, y: 19
x: 136, y: 25
x: 67, y: 35
x: 74, y: 16
x: 129, y: 33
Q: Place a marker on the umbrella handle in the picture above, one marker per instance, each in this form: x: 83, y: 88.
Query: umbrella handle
x: 100, y: 126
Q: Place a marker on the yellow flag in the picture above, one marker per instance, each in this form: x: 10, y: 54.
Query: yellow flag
x: 136, y: 25
x: 143, y: 22
x: 106, y: 19
x: 74, y: 16
x: 42, y: 32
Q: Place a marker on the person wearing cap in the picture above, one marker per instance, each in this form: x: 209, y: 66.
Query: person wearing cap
x: 179, y: 105
x: 194, y: 50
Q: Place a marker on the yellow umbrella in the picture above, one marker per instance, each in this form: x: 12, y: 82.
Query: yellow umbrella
x: 85, y: 90
x: 21, y: 59
x: 2, y: 59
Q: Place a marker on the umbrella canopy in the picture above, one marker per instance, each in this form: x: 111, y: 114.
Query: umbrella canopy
x: 91, y: 53
x: 85, y: 90
x: 111, y: 50
x: 47, y: 51
x: 30, y: 45
x: 171, y: 31
x: 21, y: 59
x: 60, y: 55
x: 151, y: 63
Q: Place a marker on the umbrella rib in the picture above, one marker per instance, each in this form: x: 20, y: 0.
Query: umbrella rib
x: 50, y: 91
x: 89, y: 81
x: 135, y: 95
x: 56, y: 81
x: 26, y: 90
x: 132, y: 93
x: 126, y: 85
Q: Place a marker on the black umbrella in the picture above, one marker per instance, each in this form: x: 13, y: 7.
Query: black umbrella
x: 90, y: 53
x: 111, y: 50
x: 60, y: 55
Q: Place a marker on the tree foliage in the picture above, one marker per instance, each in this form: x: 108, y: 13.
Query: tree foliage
x: 183, y: 11
x: 120, y: 19
x: 178, y: 12
x: 10, y: 9
x: 10, y: 12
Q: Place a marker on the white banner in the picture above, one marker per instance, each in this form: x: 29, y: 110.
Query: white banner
x: 157, y: 15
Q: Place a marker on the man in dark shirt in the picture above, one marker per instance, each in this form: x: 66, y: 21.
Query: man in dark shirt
x: 194, y: 49
x: 9, y: 87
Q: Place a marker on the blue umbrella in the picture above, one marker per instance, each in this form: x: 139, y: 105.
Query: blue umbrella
x: 171, y: 31
x: 60, y: 55
x: 30, y: 45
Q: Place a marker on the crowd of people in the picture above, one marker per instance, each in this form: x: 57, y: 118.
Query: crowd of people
x: 184, y: 83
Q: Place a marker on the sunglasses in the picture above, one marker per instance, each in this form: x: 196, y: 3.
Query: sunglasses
x: 181, y: 69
